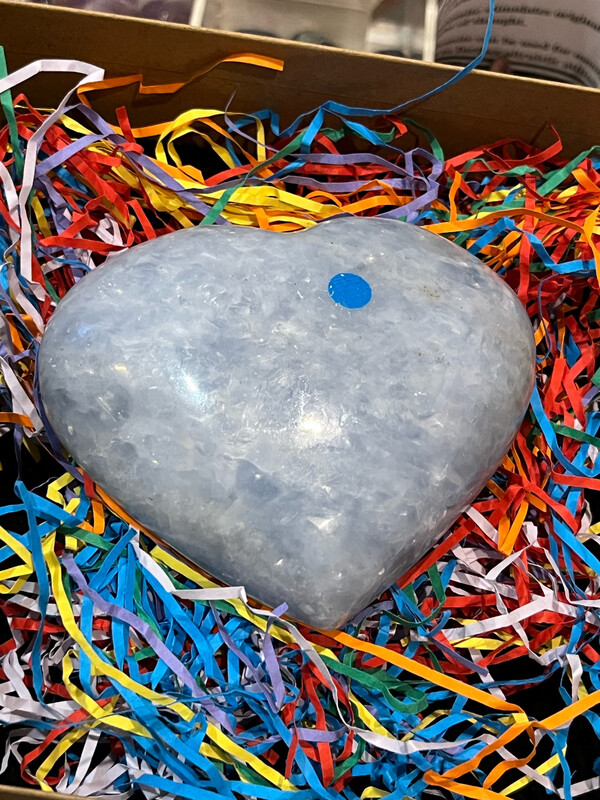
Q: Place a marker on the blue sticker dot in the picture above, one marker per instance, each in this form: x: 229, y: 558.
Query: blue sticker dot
x: 349, y: 290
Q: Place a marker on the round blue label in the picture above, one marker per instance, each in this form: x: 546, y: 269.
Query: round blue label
x: 349, y: 290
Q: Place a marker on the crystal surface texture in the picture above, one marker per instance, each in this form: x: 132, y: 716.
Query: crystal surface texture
x: 300, y: 413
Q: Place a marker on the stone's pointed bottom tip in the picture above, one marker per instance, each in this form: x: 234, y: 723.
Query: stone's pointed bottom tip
x: 310, y: 450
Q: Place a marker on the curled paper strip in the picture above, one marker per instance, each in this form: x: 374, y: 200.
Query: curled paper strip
x: 124, y: 669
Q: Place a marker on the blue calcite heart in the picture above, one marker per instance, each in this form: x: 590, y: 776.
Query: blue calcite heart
x: 300, y: 413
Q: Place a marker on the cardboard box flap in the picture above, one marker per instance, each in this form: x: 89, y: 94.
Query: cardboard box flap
x: 481, y: 108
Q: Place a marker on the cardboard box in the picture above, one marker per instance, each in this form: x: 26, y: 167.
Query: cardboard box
x: 480, y: 109
x: 483, y: 108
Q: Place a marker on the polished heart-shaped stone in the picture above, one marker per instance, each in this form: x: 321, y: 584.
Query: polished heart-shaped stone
x: 300, y: 413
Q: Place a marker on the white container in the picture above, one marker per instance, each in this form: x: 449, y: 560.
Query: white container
x: 341, y: 23
x: 404, y: 28
x: 554, y: 39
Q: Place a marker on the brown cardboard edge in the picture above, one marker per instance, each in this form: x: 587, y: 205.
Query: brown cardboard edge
x: 14, y: 793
